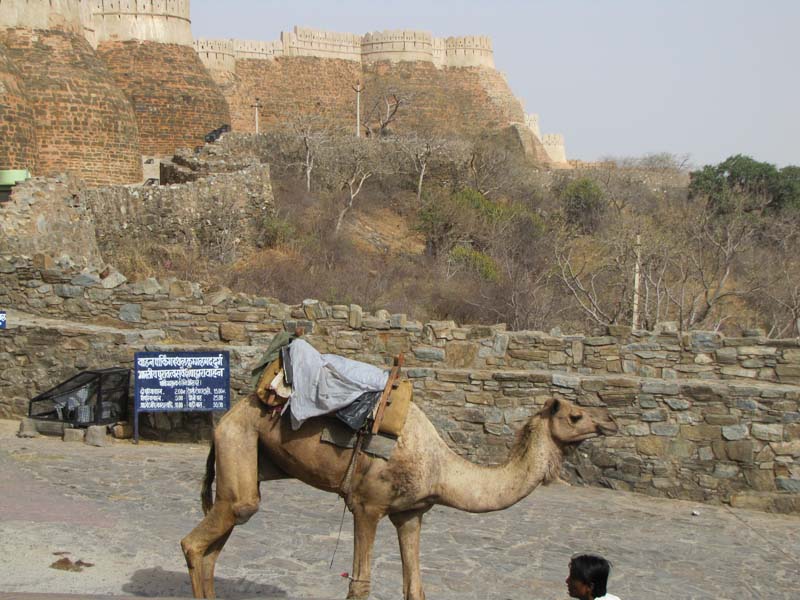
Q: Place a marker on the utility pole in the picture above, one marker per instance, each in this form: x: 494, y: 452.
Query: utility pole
x: 636, y: 278
x: 257, y: 105
x: 358, y: 88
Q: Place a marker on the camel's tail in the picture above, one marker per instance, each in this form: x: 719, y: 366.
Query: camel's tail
x: 205, y: 493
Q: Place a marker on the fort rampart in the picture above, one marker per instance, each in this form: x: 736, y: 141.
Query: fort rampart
x: 402, y: 45
x: 702, y: 416
x: 162, y: 21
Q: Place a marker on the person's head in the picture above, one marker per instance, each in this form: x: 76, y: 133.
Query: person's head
x: 588, y: 576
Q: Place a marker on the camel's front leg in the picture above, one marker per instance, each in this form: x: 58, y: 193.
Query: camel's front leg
x: 408, y: 526
x: 365, y: 524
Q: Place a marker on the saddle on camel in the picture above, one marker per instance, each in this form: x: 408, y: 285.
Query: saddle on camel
x: 379, y: 475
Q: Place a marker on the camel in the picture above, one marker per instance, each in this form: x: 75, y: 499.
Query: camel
x: 252, y: 444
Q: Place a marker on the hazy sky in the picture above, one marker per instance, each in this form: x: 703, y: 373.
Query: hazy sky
x: 710, y: 78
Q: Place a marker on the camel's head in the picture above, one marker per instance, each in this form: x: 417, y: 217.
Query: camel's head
x: 571, y: 424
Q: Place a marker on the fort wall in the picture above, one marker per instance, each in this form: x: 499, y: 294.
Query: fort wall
x: 83, y: 122
x: 554, y: 145
x: 699, y: 419
x: 303, y: 41
x: 217, y: 55
x: 175, y: 100
x: 18, y: 147
x: 397, y: 45
x: 162, y: 21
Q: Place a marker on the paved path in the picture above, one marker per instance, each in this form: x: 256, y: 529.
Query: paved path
x: 124, y: 508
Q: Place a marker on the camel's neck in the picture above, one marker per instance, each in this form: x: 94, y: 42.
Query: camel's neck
x: 476, y: 488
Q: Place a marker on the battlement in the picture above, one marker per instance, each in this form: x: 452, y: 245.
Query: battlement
x: 532, y: 121
x: 217, y: 55
x: 469, y: 51
x: 61, y: 15
x: 164, y: 21
x: 554, y: 145
x: 303, y: 41
x: 397, y: 45
x: 248, y: 49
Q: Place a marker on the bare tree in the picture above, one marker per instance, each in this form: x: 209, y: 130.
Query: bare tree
x: 384, y: 111
x: 349, y: 162
x: 422, y: 150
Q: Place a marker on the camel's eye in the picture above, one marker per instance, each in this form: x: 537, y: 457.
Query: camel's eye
x: 575, y: 418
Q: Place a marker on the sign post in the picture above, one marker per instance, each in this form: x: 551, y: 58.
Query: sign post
x: 2, y: 319
x: 180, y: 381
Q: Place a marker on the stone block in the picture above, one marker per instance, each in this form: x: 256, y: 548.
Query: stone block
x: 725, y: 471
x: 727, y: 356
x: 786, y: 448
x: 760, y: 480
x: 429, y: 353
x: 27, y: 428
x: 784, y: 371
x: 722, y: 419
x: 131, y: 313
x: 661, y: 387
x: 658, y: 414
x: 348, y: 341
x: 374, y: 323
x: 740, y: 451
x: 788, y: 485
x: 314, y: 309
x: 701, y: 433
x: 636, y: 429
x: 791, y: 356
x: 566, y: 381
x: 665, y: 429
x: 96, y: 435
x: 233, y: 332
x: 678, y: 403
x: 73, y: 435
x: 768, y: 432
x: 756, y: 351
x: 122, y: 431
x: 577, y: 353
x: 752, y: 501
x: 599, y: 341
x: 735, y: 432
x: 64, y: 290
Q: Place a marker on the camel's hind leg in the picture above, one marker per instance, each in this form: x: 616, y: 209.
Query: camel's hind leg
x: 366, y: 524
x: 237, y: 499
x: 408, y: 526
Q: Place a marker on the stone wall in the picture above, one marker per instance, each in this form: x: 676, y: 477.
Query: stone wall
x: 175, y: 100
x: 222, y: 213
x: 48, y: 216
x: 84, y: 124
x: 702, y: 416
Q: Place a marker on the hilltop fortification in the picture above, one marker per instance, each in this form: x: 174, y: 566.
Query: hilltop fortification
x: 446, y: 84
x: 92, y: 86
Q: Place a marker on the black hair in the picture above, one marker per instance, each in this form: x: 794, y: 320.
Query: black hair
x: 591, y: 570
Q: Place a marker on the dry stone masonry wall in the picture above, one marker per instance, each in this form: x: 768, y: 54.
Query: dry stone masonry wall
x: 702, y: 416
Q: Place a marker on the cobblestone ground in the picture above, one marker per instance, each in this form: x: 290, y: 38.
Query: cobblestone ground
x: 124, y: 509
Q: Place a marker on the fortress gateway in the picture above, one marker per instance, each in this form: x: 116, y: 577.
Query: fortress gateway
x: 92, y: 86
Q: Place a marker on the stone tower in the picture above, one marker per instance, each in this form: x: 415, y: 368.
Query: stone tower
x: 76, y: 119
x: 147, y: 45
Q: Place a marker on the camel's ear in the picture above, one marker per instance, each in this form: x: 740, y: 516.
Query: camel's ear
x: 551, y: 407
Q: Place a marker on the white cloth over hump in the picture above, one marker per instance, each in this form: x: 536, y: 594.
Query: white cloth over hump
x: 324, y: 383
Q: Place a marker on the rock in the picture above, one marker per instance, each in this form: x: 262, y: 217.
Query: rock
x: 314, y: 309
x: 398, y: 321
x: 131, y: 313
x: 356, y: 314
x: 64, y: 290
x: 741, y: 451
x: 113, y: 279
x: 233, y: 332
x: 678, y: 403
x: 660, y: 387
x: 788, y: 485
x: 181, y: 289
x: 665, y: 429
x: 566, y: 381
x: 429, y: 353
x: 73, y: 435
x: 86, y: 279
x: 767, y: 432
x: 735, y: 432
x: 726, y: 356
x: 600, y: 341
x: 96, y: 435
x: 122, y: 431
x: 27, y: 428
x: 151, y: 287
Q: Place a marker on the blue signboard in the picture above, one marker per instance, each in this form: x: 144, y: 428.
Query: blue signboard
x: 2, y: 319
x: 180, y: 381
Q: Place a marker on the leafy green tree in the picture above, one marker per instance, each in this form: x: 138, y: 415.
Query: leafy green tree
x: 761, y: 185
x: 584, y: 204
